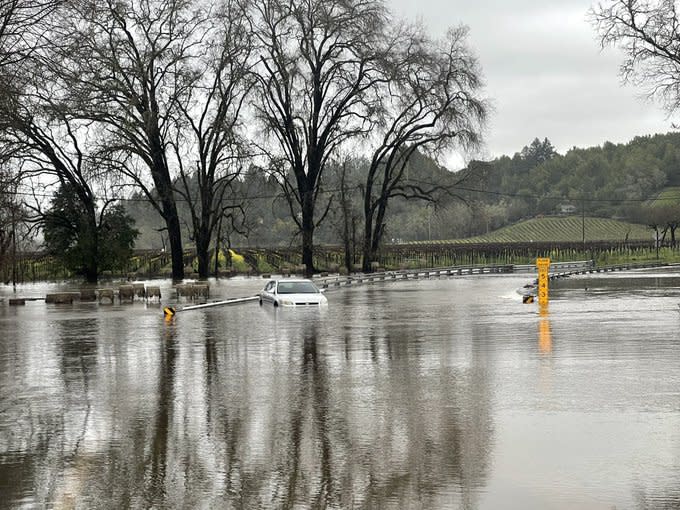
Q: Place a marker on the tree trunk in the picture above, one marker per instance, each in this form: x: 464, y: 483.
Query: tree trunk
x: 91, y: 275
x: 344, y: 201
x: 347, y: 247
x: 175, y: 242
x: 172, y: 223
x: 92, y: 241
x: 161, y: 177
x: 218, y: 240
x: 673, y: 227
x: 203, y: 254
x: 308, y: 250
x: 367, y: 242
x: 373, y: 233
x: 308, y: 232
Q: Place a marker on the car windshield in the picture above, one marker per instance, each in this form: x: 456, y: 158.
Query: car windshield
x: 297, y: 288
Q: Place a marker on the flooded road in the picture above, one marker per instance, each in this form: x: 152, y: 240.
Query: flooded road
x: 434, y: 393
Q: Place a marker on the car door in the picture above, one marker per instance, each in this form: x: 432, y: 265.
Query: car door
x: 268, y: 292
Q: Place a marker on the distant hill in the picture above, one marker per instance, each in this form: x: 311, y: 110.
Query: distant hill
x: 667, y: 196
x: 563, y: 229
x: 612, y: 178
x: 620, y: 181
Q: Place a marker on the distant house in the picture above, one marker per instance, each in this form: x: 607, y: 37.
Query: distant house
x: 566, y: 209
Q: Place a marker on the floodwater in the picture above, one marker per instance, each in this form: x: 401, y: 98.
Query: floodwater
x: 433, y: 393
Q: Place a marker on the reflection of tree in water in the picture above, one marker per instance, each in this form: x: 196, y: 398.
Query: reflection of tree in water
x: 374, y: 420
x: 49, y: 416
x: 114, y: 447
x: 437, y: 431
x: 410, y: 444
x: 156, y: 465
x: 21, y: 466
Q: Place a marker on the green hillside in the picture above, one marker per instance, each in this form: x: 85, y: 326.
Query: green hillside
x: 668, y: 196
x: 564, y: 229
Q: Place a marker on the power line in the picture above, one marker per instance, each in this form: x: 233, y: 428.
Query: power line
x: 414, y: 181
x: 572, y: 199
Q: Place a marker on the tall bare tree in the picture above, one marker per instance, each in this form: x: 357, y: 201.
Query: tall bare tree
x: 319, y: 62
x: 48, y: 143
x: 648, y: 31
x: 210, y: 146
x: 22, y: 29
x: 125, y: 63
x: 431, y: 102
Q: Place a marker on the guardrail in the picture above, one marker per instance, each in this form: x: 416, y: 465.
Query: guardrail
x: 327, y: 281
x: 605, y: 269
x: 557, y: 270
x: 557, y: 266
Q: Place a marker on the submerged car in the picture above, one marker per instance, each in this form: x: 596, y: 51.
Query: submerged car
x: 292, y: 292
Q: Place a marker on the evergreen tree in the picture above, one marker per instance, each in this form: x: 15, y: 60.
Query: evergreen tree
x: 84, y: 246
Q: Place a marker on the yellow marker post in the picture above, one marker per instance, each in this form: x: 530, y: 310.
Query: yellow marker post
x: 543, y: 265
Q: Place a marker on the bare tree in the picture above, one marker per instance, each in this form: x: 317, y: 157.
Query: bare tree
x: 648, y: 32
x: 209, y: 130
x: 125, y: 63
x: 430, y: 104
x: 21, y: 33
x: 47, y: 142
x: 319, y: 62
x: 346, y: 216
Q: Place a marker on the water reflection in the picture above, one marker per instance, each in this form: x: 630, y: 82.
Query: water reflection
x: 544, y: 333
x: 433, y: 394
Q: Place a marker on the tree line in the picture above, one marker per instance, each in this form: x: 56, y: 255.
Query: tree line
x: 611, y: 180
x: 178, y: 101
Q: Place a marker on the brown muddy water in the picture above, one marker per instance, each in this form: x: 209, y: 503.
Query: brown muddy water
x: 434, y: 393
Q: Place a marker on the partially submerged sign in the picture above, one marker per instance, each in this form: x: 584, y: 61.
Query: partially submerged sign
x: 543, y: 265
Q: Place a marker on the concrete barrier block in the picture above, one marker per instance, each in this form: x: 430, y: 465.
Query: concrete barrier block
x: 184, y: 290
x: 201, y: 290
x: 88, y: 295
x: 126, y: 293
x: 60, y: 298
x: 105, y: 294
x: 139, y: 290
x: 153, y: 293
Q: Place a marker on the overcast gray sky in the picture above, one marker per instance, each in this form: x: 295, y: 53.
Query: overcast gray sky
x: 545, y: 73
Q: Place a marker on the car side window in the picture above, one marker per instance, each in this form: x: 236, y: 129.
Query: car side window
x: 269, y: 287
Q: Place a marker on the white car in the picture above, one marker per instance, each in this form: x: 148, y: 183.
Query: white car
x: 292, y: 292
